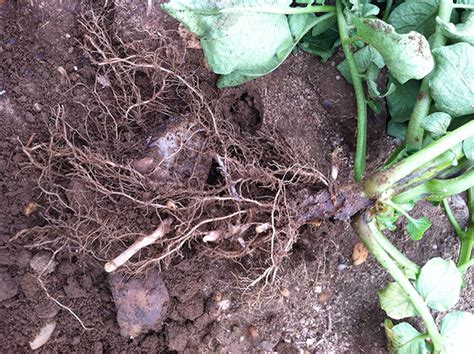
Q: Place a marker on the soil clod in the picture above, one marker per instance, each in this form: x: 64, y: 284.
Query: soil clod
x: 142, y: 304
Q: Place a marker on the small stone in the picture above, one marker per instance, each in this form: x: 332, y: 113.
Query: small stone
x: 142, y: 304
x: 285, y: 292
x: 338, y: 77
x: 341, y: 267
x: 46, y: 309
x: 328, y: 104
x: 23, y: 258
x: 324, y: 296
x: 23, y: 99
x: 359, y: 253
x: 37, y: 107
x: 309, y: 341
x: 8, y: 287
x: 29, y: 117
x: 42, y: 263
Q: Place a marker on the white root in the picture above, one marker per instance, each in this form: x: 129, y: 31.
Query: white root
x: 162, y: 230
x: 262, y: 228
x: 43, y: 336
x: 212, y: 236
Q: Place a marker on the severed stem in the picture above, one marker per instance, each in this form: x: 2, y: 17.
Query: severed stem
x: 142, y: 242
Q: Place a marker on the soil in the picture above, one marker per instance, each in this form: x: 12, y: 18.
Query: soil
x: 320, y: 302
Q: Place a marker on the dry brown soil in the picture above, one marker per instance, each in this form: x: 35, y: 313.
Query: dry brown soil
x: 322, y: 303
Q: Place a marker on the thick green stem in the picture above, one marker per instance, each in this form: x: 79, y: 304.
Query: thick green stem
x: 470, y: 205
x: 465, y: 252
x: 359, y: 160
x: 437, y: 189
x: 364, y: 228
x: 433, y: 168
x: 393, y: 251
x: 414, y: 137
x: 388, y: 7
x: 382, y: 181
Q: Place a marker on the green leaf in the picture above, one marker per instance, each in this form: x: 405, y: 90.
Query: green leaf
x: 322, y: 40
x: 404, y: 339
x: 402, y: 100
x: 462, y: 32
x: 397, y: 130
x: 362, y: 8
x: 363, y: 58
x: 407, y: 56
x: 387, y: 219
x: 415, y: 15
x: 395, y: 302
x: 468, y: 148
x: 436, y: 123
x: 240, y: 39
x: 456, y: 328
x: 417, y: 227
x: 396, y: 156
x: 439, y: 283
x: 452, y: 81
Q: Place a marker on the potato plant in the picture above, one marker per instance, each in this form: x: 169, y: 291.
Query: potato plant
x: 427, y: 49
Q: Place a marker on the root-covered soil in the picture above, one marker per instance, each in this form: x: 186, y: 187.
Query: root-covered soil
x: 112, y: 126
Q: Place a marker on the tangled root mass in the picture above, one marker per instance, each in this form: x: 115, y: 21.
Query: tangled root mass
x: 146, y: 144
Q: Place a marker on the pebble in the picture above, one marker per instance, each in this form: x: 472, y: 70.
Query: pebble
x: 142, y: 304
x: 46, y: 309
x: 338, y: 78
x: 341, y: 267
x: 22, y: 99
x: 328, y: 104
x: 29, y: 117
x: 309, y: 341
x: 41, y: 264
x: 8, y: 286
x: 37, y: 107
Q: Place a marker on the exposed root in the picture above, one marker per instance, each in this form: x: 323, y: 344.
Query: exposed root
x: 121, y: 259
x: 99, y: 197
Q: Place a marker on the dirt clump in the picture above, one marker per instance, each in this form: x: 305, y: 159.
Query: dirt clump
x: 142, y: 304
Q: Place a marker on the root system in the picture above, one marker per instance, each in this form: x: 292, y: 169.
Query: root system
x: 104, y: 184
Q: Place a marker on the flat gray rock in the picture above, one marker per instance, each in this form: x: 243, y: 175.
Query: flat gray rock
x: 142, y: 304
x: 8, y: 286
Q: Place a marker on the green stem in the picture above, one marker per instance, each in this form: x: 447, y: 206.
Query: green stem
x: 364, y: 229
x: 464, y: 6
x: 452, y: 219
x: 465, y: 253
x: 464, y: 267
x: 400, y: 210
x: 467, y: 241
x: 359, y: 160
x: 382, y: 181
x: 414, y: 137
x: 393, y: 251
x: 470, y: 205
x: 386, y: 12
x: 437, y: 189
x: 433, y: 168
